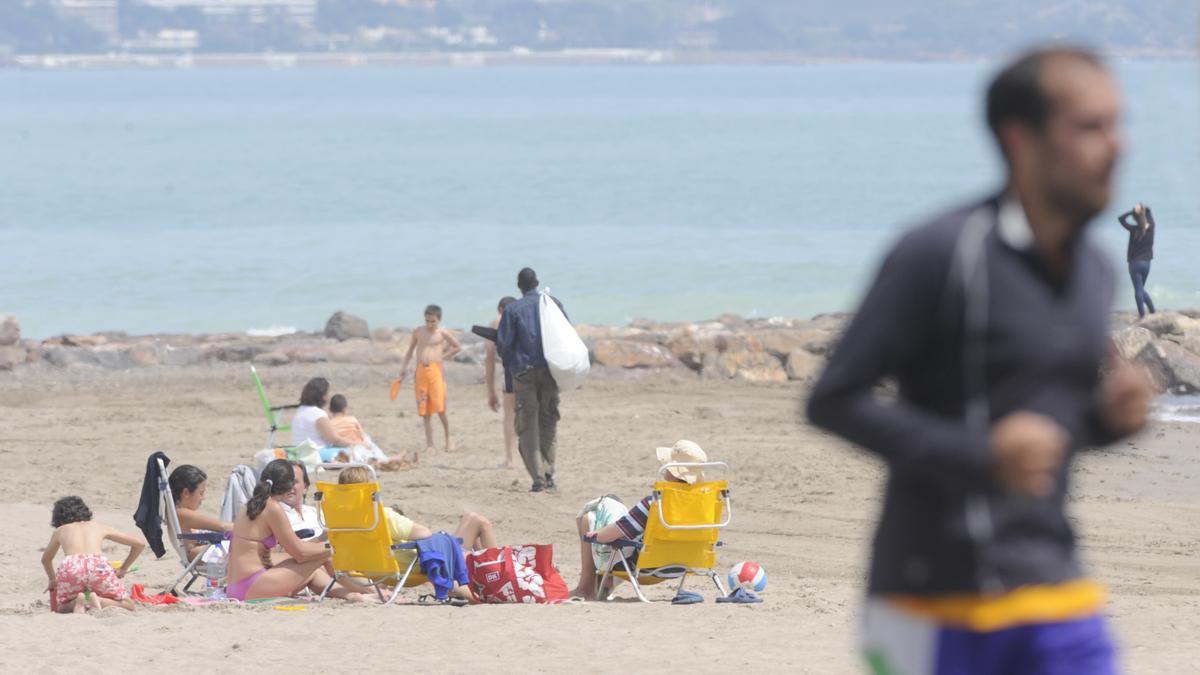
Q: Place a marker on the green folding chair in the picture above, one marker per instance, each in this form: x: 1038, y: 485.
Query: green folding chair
x: 269, y: 411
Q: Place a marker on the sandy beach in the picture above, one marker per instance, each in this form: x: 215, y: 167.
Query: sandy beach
x: 804, y: 504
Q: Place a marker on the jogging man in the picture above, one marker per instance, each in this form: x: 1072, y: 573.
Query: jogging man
x: 993, y: 319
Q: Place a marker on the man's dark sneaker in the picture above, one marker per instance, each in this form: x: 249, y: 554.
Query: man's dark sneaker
x: 538, y: 486
x: 550, y: 484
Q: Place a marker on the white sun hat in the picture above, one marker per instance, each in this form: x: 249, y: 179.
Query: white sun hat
x: 685, y: 452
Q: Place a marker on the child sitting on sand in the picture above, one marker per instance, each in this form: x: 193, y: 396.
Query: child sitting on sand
x: 85, y: 569
x: 347, y: 426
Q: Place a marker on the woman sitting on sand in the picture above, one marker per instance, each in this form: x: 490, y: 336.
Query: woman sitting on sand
x: 189, y: 484
x: 259, y: 528
x: 311, y: 422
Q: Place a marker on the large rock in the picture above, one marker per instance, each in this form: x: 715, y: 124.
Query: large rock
x: 593, y: 333
x: 1172, y: 367
x: 11, y: 357
x: 835, y: 321
x: 10, y: 330
x: 691, y: 344
x: 239, y: 352
x: 474, y: 353
x: 64, y: 357
x: 84, y: 340
x: 110, y: 358
x: 145, y: 354
x: 632, y: 354
x: 275, y: 358
x: 803, y: 365
x: 362, y: 351
x: 309, y: 354
x: 781, y: 342
x: 1131, y: 341
x: 182, y: 356
x: 1164, y: 324
x: 343, y: 326
x: 1189, y: 341
x: 385, y: 335
x: 750, y: 366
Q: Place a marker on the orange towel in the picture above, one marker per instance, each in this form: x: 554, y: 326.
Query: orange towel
x: 430, y: 387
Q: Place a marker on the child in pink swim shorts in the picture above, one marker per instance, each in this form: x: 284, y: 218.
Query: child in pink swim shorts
x: 84, y: 567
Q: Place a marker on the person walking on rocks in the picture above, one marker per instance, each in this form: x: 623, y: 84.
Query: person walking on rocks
x: 519, y: 343
x: 1139, y: 222
x: 993, y: 319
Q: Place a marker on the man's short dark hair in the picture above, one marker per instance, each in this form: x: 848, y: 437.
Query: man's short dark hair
x: 433, y: 310
x: 527, y: 280
x: 337, y: 404
x: 69, y: 510
x: 1017, y: 93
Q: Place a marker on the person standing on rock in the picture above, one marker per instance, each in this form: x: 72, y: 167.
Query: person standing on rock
x: 1139, y: 222
x: 519, y: 343
x: 993, y: 319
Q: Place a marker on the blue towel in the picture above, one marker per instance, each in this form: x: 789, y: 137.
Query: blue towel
x: 442, y: 560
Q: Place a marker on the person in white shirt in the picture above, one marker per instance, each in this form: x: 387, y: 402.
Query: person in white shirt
x: 311, y: 422
x: 300, y: 514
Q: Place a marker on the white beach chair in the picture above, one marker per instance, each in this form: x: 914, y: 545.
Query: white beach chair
x: 193, y: 568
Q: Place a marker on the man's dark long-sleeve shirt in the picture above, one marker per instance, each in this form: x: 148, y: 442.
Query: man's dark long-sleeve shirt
x: 1044, y: 345
x: 519, y: 335
x: 1141, y: 247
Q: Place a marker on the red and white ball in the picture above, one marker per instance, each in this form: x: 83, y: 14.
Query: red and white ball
x: 748, y: 575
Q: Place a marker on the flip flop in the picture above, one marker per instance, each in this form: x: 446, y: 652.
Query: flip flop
x: 687, y: 598
x: 395, y: 390
x: 429, y: 599
x: 741, y: 596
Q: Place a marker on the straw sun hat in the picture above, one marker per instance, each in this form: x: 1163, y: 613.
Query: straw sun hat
x: 683, y: 451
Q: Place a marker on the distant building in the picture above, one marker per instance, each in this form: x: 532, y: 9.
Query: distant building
x: 300, y: 11
x: 170, y: 39
x: 100, y: 15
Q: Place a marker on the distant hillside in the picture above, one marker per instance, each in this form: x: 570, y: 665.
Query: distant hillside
x: 816, y: 28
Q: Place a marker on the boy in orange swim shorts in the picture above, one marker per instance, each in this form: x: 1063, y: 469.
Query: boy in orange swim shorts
x: 434, y: 345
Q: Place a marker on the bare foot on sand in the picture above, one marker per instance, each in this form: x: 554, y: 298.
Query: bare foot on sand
x: 80, y: 605
x: 586, y: 594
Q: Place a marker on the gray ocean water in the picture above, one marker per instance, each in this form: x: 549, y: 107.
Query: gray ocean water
x: 202, y: 201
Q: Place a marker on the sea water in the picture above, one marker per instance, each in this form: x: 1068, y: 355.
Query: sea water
x: 236, y: 200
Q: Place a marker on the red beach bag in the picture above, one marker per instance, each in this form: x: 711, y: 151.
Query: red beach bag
x: 520, y: 574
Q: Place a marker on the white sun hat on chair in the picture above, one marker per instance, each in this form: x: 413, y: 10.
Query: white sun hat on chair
x: 686, y: 452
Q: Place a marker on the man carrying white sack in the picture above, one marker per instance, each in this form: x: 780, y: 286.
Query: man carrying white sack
x: 519, y: 343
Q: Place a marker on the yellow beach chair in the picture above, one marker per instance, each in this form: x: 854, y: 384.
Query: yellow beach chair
x: 681, y: 537
x: 363, y: 551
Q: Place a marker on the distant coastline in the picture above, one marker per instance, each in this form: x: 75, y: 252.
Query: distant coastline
x: 514, y: 57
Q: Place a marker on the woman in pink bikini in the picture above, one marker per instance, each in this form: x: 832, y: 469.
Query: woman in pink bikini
x: 262, y: 526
